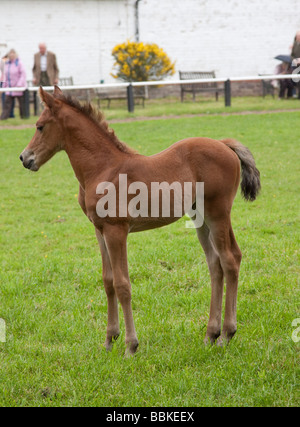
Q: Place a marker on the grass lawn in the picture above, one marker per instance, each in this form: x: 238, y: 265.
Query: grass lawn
x: 171, y: 106
x: 208, y: 106
x: 54, y: 305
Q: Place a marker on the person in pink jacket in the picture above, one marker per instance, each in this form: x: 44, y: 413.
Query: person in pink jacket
x: 14, y: 76
x: 2, y: 63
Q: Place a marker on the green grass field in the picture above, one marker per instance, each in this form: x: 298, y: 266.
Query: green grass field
x: 54, y: 305
x: 171, y: 106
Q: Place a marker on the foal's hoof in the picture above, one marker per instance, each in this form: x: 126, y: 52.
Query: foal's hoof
x: 211, y: 338
x: 131, y: 349
x: 224, y: 340
x: 110, y: 342
x: 227, y: 335
x: 108, y: 346
x: 209, y: 341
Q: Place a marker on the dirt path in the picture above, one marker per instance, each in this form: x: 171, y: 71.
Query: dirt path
x: 188, y: 116
x: 164, y: 117
x: 16, y: 127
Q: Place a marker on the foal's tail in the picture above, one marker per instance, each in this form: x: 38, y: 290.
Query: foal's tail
x: 250, y: 184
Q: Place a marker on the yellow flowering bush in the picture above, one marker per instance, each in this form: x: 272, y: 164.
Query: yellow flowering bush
x: 140, y: 62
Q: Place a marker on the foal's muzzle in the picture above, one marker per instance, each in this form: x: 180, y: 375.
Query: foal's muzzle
x: 28, y: 160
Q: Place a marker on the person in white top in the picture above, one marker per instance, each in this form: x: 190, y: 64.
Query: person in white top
x: 45, y: 69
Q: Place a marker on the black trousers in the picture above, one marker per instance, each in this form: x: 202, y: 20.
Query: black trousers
x: 8, y: 105
x: 286, y: 86
x: 44, y: 81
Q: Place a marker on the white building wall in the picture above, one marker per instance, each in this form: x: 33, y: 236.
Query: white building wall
x: 82, y: 33
x: 232, y: 37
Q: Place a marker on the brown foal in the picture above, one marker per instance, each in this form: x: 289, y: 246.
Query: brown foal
x: 99, y: 159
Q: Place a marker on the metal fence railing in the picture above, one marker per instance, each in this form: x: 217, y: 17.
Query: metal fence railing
x: 130, y: 96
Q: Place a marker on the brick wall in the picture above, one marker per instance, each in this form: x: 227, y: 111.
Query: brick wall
x: 246, y: 88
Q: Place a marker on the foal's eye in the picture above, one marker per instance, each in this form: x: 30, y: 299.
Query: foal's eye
x: 40, y: 128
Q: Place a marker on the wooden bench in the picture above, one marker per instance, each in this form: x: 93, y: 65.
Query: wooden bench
x: 63, y: 81
x: 108, y: 94
x: 198, y: 87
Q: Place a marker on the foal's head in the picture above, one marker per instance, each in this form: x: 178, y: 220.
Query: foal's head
x: 48, y: 138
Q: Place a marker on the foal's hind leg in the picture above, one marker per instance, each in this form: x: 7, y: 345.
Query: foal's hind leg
x: 113, y: 330
x: 230, y: 259
x: 217, y: 284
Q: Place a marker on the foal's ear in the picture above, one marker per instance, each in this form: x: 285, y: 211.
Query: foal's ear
x: 48, y: 99
x: 57, y: 92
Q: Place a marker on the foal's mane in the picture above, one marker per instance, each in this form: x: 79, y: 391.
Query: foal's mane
x: 97, y: 117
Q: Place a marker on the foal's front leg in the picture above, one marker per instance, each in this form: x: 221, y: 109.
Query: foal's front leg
x: 113, y: 329
x: 115, y: 237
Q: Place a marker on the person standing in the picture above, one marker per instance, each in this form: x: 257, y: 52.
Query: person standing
x: 296, y: 62
x: 296, y: 46
x: 2, y: 64
x: 14, y: 76
x: 286, y: 85
x: 2, y: 78
x: 45, y: 69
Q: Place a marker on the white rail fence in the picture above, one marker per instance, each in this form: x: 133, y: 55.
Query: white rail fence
x: 130, y: 96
